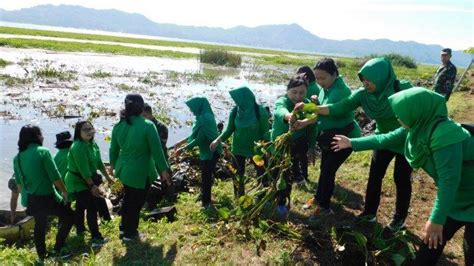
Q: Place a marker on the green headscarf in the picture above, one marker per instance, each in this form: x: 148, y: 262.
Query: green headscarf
x: 380, y: 72
x: 201, y: 108
x: 245, y: 101
x: 420, y: 109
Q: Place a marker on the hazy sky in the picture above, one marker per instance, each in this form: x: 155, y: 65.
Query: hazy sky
x: 449, y: 23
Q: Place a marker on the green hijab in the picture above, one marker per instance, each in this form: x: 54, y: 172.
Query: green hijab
x: 380, y: 72
x: 421, y: 109
x: 201, y: 108
x: 245, y: 101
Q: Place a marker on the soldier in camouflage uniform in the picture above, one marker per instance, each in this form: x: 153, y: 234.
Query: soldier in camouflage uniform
x: 446, y: 75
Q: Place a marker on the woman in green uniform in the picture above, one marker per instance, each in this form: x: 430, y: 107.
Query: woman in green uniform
x: 380, y: 82
x: 313, y: 88
x: 36, y: 176
x: 63, y: 144
x: 203, y: 133
x: 333, y: 89
x: 445, y: 150
x: 137, y: 157
x: 303, y: 137
x: 83, y: 162
x: 248, y: 123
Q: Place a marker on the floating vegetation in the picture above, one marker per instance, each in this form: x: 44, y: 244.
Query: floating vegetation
x: 48, y: 72
x: 100, y: 74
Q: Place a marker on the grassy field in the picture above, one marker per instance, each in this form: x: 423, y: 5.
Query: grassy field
x: 91, y: 48
x: 203, y: 237
x: 95, y: 37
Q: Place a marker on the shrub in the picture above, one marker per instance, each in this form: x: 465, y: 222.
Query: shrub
x: 220, y: 57
x: 396, y: 59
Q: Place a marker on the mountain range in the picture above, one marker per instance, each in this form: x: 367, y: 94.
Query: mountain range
x: 291, y: 37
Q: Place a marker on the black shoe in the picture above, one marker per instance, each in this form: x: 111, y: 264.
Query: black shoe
x: 60, y: 254
x: 99, y: 242
x: 129, y: 238
x: 396, y: 225
x: 365, y: 218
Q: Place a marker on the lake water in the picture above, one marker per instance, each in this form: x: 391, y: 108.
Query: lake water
x: 85, y: 94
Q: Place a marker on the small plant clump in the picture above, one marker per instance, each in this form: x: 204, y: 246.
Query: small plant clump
x: 221, y: 58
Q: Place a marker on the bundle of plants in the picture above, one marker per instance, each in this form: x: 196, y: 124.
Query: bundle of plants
x: 255, y: 212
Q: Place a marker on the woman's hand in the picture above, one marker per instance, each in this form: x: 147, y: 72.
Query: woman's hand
x: 12, y: 217
x: 95, y: 191
x: 165, y: 177
x: 110, y: 170
x: 341, y: 142
x: 214, y: 144
x: 433, y: 234
x: 298, y: 107
x: 299, y: 124
x: 65, y: 196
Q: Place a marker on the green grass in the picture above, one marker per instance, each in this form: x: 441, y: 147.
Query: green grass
x: 49, y: 72
x: 11, y: 81
x: 83, y: 36
x: 4, y: 63
x: 220, y: 57
x: 101, y: 74
x: 91, y: 48
x: 348, y: 68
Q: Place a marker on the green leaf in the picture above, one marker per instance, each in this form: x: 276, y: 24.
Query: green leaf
x: 281, y: 184
x: 263, y: 225
x: 333, y: 232
x: 246, y: 201
x: 224, y: 212
x: 360, y: 239
x: 398, y: 259
x: 380, y: 243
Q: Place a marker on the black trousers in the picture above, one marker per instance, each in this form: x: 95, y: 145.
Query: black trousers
x: 239, y: 162
x: 103, y: 210
x: 208, y: 167
x: 299, y: 159
x: 133, y: 201
x: 40, y: 207
x: 330, y: 163
x: 402, y: 177
x: 426, y: 256
x: 85, y: 201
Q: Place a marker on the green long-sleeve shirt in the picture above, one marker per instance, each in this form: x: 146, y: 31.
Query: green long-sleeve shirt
x: 284, y: 106
x: 448, y: 166
x: 61, y: 162
x: 336, y: 93
x: 83, y: 161
x: 39, y: 171
x: 136, y: 153
x: 203, y: 135
x: 244, y: 138
x: 384, y: 123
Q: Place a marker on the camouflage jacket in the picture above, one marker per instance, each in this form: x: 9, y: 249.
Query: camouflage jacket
x: 444, y: 79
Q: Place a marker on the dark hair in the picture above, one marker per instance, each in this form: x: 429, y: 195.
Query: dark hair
x: 64, y: 145
x: 328, y: 65
x: 78, y: 128
x: 296, y: 82
x: 308, y: 72
x: 134, y: 106
x: 147, y: 108
x: 29, y: 134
